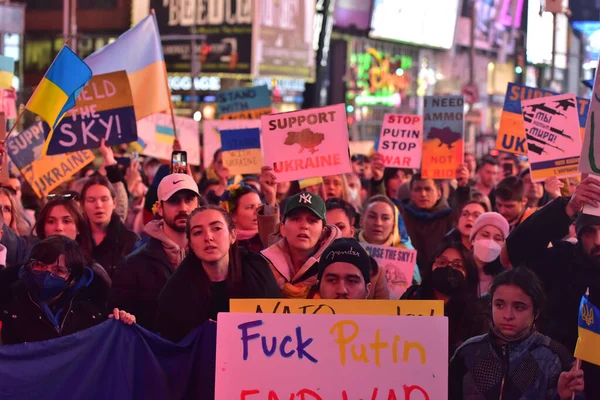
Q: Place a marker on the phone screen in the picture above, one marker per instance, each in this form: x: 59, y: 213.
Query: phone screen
x: 179, y: 159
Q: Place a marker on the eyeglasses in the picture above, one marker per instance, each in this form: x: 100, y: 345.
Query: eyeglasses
x: 455, y: 264
x: 466, y: 214
x: 57, y: 270
x: 66, y: 196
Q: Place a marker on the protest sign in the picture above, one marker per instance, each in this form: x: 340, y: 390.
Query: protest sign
x: 553, y: 136
x: 103, y: 110
x: 588, y: 162
x: 443, y: 142
x: 398, y: 264
x: 308, y: 143
x: 587, y: 209
x: 211, y: 135
x: 43, y: 174
x: 304, y: 183
x: 244, y: 103
x: 241, y: 151
x: 156, y: 132
x: 511, y: 134
x: 428, y: 308
x: 401, y: 141
x: 8, y: 103
x: 394, y: 357
x: 364, y: 147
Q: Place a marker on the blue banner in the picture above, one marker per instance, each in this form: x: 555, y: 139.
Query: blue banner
x: 243, y: 99
x: 111, y: 361
x: 240, y: 139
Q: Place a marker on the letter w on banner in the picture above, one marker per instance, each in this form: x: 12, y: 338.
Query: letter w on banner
x: 306, y: 144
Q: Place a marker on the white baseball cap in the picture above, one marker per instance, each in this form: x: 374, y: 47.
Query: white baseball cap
x: 173, y: 183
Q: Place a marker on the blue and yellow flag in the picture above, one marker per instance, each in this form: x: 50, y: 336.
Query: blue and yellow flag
x: 588, y: 343
x: 59, y: 88
x: 7, y: 72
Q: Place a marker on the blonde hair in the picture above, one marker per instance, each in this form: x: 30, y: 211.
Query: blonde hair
x: 344, y: 195
x: 18, y: 222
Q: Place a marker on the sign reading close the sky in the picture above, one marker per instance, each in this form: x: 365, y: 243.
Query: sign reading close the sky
x: 308, y: 143
x: 393, y: 357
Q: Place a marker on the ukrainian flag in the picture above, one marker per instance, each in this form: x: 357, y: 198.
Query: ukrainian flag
x: 58, y: 89
x: 165, y: 134
x: 588, y: 343
x: 7, y: 72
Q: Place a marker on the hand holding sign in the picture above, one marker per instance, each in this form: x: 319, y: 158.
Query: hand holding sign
x: 268, y: 185
x: 377, y: 166
x: 107, y: 153
x: 553, y: 186
x: 586, y: 193
x: 462, y: 175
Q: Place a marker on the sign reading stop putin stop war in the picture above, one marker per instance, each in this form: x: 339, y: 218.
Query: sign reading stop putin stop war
x: 43, y: 174
x: 401, y: 141
x: 443, y: 141
x: 308, y: 143
x: 553, y: 136
x: 332, y: 357
x: 511, y: 134
x: 103, y: 110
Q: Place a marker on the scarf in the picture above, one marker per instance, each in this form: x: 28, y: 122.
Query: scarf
x: 175, y: 254
x: 440, y: 210
x: 246, y: 234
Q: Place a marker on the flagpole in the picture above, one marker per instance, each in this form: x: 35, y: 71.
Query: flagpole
x: 15, y: 124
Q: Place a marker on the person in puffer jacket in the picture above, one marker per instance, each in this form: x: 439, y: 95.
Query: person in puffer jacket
x: 514, y: 361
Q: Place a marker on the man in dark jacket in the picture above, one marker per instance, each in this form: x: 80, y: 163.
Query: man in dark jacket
x: 139, y: 280
x: 566, y: 269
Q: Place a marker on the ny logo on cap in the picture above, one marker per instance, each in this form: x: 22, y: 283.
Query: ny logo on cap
x: 305, y: 198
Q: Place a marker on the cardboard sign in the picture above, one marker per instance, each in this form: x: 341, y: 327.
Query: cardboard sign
x: 323, y: 357
x: 511, y: 134
x: 443, y: 142
x: 156, y: 132
x: 426, y: 308
x: 590, y: 155
x: 364, y: 147
x: 244, y: 103
x: 45, y: 174
x: 241, y: 151
x: 587, y: 209
x: 103, y: 110
x: 8, y: 103
x: 308, y: 143
x: 398, y: 264
x: 401, y: 141
x: 553, y: 136
x: 211, y: 135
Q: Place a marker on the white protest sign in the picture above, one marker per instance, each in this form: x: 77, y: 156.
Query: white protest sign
x: 211, y: 136
x: 331, y: 357
x: 401, y: 141
x: 398, y: 264
x: 587, y: 209
x: 157, y: 133
x: 306, y: 144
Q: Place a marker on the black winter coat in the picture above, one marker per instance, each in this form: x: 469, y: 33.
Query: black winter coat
x: 138, y: 281
x: 117, y: 244
x: 23, y: 320
x: 189, y: 298
x: 566, y: 272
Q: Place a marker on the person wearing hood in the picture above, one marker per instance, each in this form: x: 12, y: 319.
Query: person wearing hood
x: 487, y: 238
x: 52, y: 298
x: 143, y: 274
x: 382, y: 225
x: 427, y: 218
x: 513, y: 360
x: 304, y: 235
x: 567, y: 270
x: 215, y: 271
x: 451, y: 271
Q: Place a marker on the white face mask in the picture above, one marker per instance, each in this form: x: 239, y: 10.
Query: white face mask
x: 353, y: 194
x: 486, y: 250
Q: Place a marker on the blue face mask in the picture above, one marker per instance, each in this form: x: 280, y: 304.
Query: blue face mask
x: 43, y: 285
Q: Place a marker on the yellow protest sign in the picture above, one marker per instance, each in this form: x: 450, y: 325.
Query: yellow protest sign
x: 349, y: 307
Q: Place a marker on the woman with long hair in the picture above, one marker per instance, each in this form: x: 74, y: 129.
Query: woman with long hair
x: 111, y: 240
x: 242, y: 202
x: 13, y: 214
x: 467, y: 215
x: 215, y: 271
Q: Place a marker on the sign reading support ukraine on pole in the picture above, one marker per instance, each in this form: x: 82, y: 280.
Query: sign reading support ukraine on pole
x: 103, y: 110
x: 511, y: 134
x: 244, y: 103
x: 241, y: 151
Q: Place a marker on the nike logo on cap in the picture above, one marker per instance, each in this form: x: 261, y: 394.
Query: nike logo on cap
x: 176, y: 182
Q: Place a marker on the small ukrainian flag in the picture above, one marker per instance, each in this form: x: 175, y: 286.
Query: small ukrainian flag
x: 58, y: 89
x: 165, y: 134
x: 7, y: 72
x: 588, y: 343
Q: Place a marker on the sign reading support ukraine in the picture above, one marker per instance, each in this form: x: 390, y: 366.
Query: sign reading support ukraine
x: 244, y: 103
x: 241, y: 151
x: 103, y: 110
x: 511, y: 134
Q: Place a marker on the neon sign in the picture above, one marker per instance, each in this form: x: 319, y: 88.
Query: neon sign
x: 378, y: 78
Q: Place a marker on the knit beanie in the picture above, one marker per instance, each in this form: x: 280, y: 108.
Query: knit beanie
x: 493, y: 219
x: 585, y: 220
x: 346, y: 250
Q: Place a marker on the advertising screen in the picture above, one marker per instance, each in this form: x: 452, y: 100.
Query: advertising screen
x: 425, y: 22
